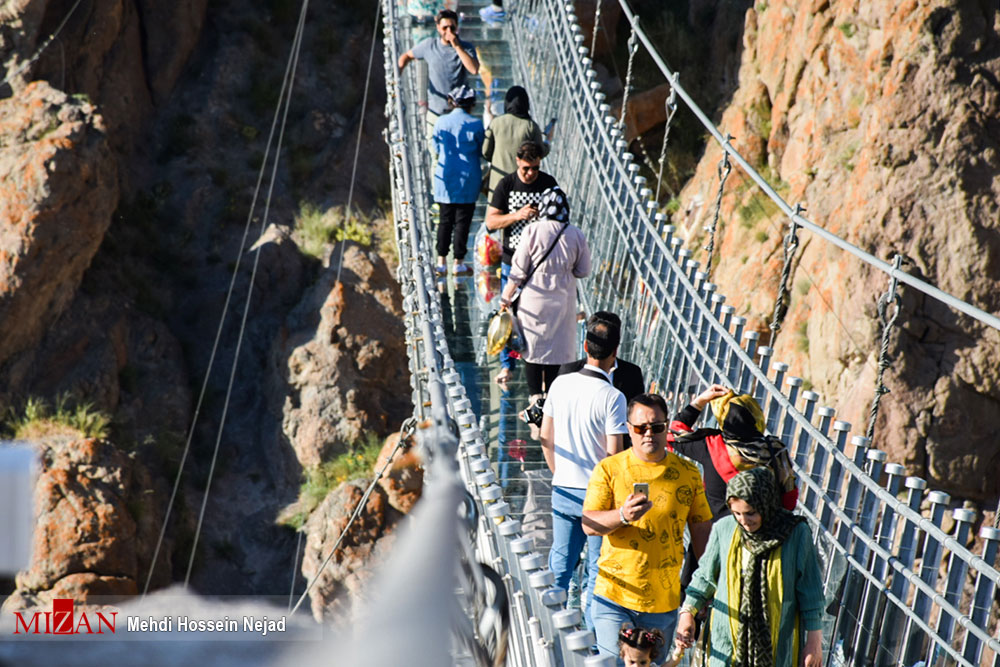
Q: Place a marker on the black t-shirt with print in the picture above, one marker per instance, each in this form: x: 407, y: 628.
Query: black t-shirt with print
x: 511, y: 194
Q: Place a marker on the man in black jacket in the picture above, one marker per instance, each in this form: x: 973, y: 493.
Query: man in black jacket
x: 626, y: 377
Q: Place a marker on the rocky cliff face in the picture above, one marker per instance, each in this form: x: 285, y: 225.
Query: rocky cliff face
x: 130, y: 175
x: 342, y: 357
x: 883, y: 120
x: 125, y: 55
x: 98, y: 519
x: 59, y: 189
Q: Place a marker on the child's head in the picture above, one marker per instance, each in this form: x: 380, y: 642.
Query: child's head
x: 638, y: 647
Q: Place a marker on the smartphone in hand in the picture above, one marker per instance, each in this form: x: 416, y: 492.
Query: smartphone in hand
x: 641, y: 488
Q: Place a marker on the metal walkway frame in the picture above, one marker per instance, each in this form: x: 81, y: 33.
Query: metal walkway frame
x: 882, y: 557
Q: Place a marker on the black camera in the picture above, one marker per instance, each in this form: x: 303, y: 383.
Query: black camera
x: 533, y: 413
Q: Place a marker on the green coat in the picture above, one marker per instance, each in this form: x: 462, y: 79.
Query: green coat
x: 802, y: 599
x: 504, y: 136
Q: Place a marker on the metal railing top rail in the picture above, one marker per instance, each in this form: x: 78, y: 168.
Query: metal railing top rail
x: 772, y: 390
x: 790, y: 211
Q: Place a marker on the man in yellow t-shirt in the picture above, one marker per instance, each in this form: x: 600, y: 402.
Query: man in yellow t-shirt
x: 638, y: 579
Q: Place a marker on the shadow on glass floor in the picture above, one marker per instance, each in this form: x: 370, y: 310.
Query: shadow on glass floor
x: 517, y: 458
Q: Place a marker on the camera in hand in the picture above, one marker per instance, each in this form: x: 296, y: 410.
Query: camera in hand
x: 533, y: 413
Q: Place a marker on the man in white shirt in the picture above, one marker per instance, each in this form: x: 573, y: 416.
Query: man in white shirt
x: 583, y: 421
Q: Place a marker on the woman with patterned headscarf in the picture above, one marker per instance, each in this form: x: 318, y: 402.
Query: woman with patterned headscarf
x: 738, y: 444
x: 761, y: 568
x: 550, y: 257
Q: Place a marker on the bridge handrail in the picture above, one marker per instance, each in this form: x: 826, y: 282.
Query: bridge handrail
x: 644, y: 247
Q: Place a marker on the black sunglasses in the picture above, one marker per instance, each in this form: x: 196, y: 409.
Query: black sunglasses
x: 655, y: 427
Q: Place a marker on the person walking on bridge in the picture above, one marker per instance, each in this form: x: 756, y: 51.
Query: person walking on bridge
x: 583, y: 421
x: 513, y: 206
x: 552, y: 255
x: 640, y: 500
x: 760, y: 575
x: 449, y: 60
x: 507, y: 132
x: 458, y: 137
x: 626, y: 376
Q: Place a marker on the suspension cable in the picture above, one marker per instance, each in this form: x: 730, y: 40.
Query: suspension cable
x: 287, y: 100
x: 405, y: 432
x: 38, y: 52
x: 789, y: 246
x: 597, y: 23
x: 724, y: 169
x: 930, y: 290
x: 357, y: 145
x: 295, y: 569
x: 633, y: 47
x: 219, y: 328
x: 890, y: 297
x: 671, y: 109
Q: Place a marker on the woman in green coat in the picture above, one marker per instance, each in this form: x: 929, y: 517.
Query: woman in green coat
x: 761, y: 568
x: 507, y: 132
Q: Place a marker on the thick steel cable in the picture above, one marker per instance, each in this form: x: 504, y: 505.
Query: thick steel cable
x: 45, y: 45
x: 219, y: 329
x: 789, y: 246
x: 724, y: 169
x: 287, y: 100
x: 891, y: 297
x: 988, y: 319
x: 354, y: 516
x: 357, y: 145
x: 633, y: 47
x: 671, y: 110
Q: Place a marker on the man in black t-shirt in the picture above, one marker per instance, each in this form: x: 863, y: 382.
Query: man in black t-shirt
x: 516, y: 197
x: 513, y: 207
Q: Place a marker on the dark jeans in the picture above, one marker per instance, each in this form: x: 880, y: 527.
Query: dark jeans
x: 454, y: 218
x: 540, y: 377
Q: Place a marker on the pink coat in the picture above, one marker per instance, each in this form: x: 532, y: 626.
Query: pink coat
x: 547, y: 309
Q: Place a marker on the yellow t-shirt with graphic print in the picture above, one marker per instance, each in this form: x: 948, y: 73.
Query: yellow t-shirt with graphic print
x: 640, y: 564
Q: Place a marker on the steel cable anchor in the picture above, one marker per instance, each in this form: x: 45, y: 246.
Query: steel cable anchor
x: 789, y: 246
x: 724, y: 169
x: 891, y: 296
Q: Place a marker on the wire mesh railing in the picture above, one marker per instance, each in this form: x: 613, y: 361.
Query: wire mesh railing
x: 897, y: 570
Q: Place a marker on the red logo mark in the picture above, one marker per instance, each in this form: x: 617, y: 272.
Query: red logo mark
x: 62, y: 620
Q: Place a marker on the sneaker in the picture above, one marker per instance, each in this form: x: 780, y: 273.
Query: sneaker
x: 441, y: 270
x: 461, y: 269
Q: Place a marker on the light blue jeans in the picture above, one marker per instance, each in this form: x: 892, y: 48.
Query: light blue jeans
x: 568, y: 539
x: 609, y: 618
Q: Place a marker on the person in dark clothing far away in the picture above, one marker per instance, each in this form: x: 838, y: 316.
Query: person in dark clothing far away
x: 625, y: 376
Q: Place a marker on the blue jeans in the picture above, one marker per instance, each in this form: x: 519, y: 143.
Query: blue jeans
x: 568, y: 539
x: 609, y: 618
x: 505, y: 359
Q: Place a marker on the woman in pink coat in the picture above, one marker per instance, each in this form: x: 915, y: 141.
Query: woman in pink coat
x: 550, y: 258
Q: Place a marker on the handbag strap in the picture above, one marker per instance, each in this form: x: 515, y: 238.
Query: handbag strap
x: 534, y: 268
